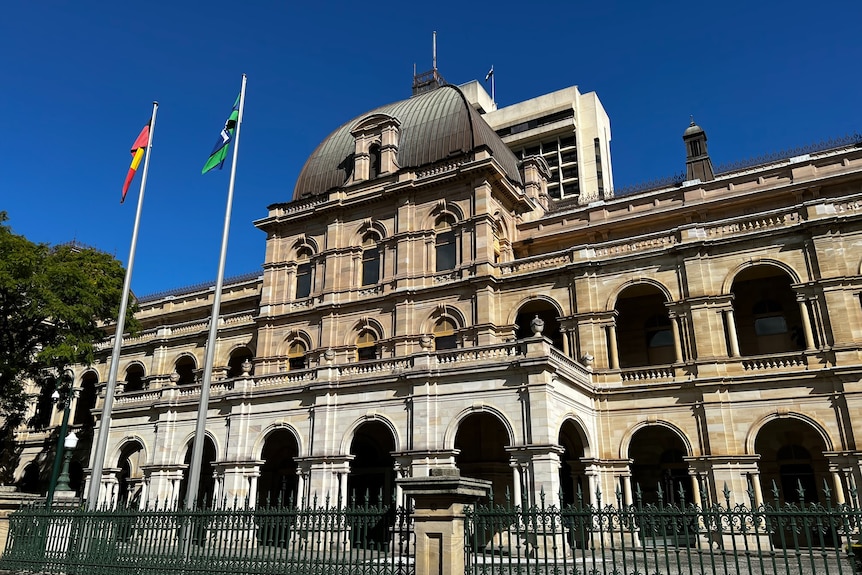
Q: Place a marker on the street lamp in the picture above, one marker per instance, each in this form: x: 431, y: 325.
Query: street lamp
x: 61, y: 441
x: 70, y: 443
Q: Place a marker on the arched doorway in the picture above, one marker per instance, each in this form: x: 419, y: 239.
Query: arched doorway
x: 547, y: 313
x: 791, y: 461
x: 278, y: 479
x: 481, y: 441
x: 574, y: 487
x: 658, y: 465
x: 793, y: 470
x: 644, y: 332
x: 372, y: 478
x: 766, y: 312
x: 130, y: 478
x: 206, y: 488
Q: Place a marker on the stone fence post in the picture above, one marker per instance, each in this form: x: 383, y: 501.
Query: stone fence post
x: 438, y: 518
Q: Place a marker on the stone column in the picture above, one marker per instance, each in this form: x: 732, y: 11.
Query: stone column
x: 695, y: 490
x: 730, y: 326
x: 438, y: 518
x: 613, y: 352
x: 627, y: 489
x: 677, y: 343
x: 806, y: 323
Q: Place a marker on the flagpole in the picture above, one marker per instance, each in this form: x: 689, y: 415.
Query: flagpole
x: 105, y: 421
x: 203, y: 405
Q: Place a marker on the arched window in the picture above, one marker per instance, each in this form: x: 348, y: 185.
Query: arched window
x: 303, y: 275
x: 86, y: 401
x: 444, y: 334
x: 296, y: 355
x: 237, y: 358
x: 370, y: 261
x: 374, y: 161
x: 366, y: 345
x: 135, y: 377
x: 185, y: 368
x: 444, y: 246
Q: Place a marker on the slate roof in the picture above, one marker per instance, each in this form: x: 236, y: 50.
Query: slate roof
x: 434, y: 126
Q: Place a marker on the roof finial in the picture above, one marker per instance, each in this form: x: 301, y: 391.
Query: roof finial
x: 692, y: 120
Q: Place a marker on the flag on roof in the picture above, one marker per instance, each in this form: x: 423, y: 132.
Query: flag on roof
x: 219, y: 152
x: 138, y: 149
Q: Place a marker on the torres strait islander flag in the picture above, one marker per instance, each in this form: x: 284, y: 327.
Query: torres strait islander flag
x: 138, y: 149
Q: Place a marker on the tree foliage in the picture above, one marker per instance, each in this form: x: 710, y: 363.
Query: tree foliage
x: 54, y: 301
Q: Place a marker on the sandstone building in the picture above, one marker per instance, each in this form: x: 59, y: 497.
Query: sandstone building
x: 430, y: 299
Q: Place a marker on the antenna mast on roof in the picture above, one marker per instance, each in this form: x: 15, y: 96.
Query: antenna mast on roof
x: 428, y: 80
x: 434, y: 51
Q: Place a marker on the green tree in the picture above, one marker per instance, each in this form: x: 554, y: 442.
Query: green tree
x: 54, y: 302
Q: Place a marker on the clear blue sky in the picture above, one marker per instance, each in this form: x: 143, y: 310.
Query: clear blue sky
x: 79, y: 79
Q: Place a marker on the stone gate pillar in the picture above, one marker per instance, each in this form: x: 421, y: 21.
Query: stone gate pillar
x: 438, y: 518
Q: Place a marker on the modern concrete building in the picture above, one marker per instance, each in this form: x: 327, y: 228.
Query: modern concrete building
x: 426, y: 302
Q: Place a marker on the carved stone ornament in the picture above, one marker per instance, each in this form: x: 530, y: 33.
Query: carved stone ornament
x: 175, y: 378
x: 425, y: 342
x: 537, y: 326
x: 329, y: 354
x: 246, y: 368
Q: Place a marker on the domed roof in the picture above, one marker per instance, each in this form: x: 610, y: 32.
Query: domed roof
x: 692, y: 129
x: 434, y: 126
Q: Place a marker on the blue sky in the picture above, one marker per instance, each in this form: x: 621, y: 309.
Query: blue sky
x: 79, y: 79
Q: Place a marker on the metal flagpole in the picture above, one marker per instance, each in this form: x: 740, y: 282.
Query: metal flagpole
x: 203, y: 406
x: 105, y: 421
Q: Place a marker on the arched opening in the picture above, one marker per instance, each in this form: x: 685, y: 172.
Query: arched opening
x: 366, y: 345
x: 134, y: 377
x: 278, y: 479
x: 444, y: 334
x: 185, y: 368
x: 793, y: 470
x: 766, y: 312
x: 86, y: 401
x: 44, y: 408
x: 372, y: 476
x: 658, y: 465
x: 296, y: 355
x: 206, y: 488
x: 574, y: 488
x: 545, y: 312
x: 481, y: 441
x: 130, y: 478
x: 237, y: 358
x: 31, y: 480
x: 644, y: 334
x: 374, y: 161
x: 791, y: 457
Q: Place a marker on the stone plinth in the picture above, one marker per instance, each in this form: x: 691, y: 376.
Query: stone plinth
x: 438, y: 518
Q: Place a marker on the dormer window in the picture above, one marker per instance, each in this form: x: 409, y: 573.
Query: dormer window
x: 375, y: 151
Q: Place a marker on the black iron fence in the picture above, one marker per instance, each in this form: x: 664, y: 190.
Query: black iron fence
x: 320, y: 539
x: 658, y: 538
